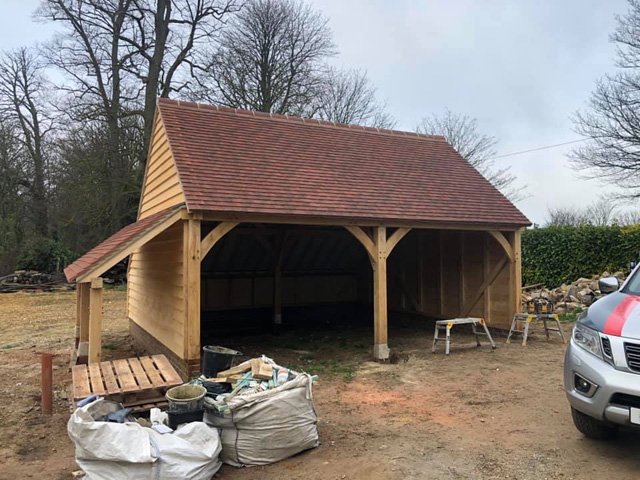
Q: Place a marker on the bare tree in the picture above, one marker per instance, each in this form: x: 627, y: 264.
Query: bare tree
x: 91, y: 54
x: 629, y: 217
x: 477, y: 148
x: 349, y: 97
x: 565, y: 217
x: 600, y: 213
x: 23, y: 98
x: 12, y: 204
x: 270, y: 58
x: 164, y: 43
x: 117, y: 57
x: 612, y: 120
x: 122, y: 54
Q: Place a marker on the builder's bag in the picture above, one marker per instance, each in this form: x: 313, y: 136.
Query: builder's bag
x: 266, y: 427
x: 129, y: 451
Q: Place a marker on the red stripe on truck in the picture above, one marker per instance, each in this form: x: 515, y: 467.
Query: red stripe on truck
x: 619, y: 315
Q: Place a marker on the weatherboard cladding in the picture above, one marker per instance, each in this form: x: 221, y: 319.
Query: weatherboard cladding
x: 114, y: 244
x: 235, y: 161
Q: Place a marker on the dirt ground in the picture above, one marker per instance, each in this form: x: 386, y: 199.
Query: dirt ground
x: 478, y: 414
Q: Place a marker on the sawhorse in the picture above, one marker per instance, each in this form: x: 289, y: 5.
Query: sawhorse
x: 447, y: 325
x: 528, y: 318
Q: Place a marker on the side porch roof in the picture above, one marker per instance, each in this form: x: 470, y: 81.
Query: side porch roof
x: 122, y: 244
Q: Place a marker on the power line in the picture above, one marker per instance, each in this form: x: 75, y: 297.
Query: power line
x: 539, y: 148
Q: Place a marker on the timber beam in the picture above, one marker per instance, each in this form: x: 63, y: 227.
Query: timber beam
x: 343, y: 222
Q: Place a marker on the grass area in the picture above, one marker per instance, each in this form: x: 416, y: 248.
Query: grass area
x: 326, y: 368
x: 568, y: 317
x: 571, y: 317
x: 116, y: 288
x: 110, y: 346
x: 312, y: 351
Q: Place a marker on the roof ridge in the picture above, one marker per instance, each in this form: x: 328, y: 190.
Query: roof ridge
x: 294, y: 119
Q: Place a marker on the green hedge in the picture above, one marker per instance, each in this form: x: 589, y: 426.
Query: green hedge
x: 557, y: 255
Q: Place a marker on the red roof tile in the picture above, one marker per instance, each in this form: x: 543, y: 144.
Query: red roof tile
x: 235, y: 161
x: 115, y: 243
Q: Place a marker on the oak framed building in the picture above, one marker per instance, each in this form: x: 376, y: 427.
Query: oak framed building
x: 243, y: 211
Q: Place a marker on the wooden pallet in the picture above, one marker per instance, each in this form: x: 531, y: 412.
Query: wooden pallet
x: 134, y: 382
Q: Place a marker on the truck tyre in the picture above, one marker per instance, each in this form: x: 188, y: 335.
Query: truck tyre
x: 591, y: 427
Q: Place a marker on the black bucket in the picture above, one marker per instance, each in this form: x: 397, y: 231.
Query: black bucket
x: 216, y: 359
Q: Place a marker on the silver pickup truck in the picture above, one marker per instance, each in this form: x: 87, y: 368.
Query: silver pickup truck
x: 602, y: 362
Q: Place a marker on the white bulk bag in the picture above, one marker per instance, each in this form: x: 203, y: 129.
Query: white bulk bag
x: 266, y: 427
x: 129, y: 451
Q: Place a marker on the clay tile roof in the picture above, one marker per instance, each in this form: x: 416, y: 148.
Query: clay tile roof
x: 234, y: 161
x: 116, y: 243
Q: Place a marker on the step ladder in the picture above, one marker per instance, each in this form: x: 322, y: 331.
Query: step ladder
x: 445, y: 326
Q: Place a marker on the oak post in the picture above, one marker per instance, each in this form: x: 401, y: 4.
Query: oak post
x: 486, y: 259
x: 277, y: 284
x: 380, y: 346
x: 379, y: 250
x: 192, y: 259
x: 516, y: 273
x: 95, y: 320
x: 83, y: 311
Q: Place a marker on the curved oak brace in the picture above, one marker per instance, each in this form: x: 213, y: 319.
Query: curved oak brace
x: 393, y: 240
x: 365, y: 240
x: 504, y: 243
x: 214, y: 235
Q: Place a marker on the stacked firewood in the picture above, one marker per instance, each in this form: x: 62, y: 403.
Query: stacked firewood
x: 30, y: 281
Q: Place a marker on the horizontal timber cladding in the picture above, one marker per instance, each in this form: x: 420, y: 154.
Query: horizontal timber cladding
x: 161, y: 188
x: 155, y: 286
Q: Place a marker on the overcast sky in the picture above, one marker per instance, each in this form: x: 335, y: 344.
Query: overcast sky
x: 520, y: 67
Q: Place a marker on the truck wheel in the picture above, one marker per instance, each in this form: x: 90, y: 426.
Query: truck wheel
x: 591, y: 427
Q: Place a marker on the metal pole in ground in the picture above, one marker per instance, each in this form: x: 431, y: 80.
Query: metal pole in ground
x: 47, y: 383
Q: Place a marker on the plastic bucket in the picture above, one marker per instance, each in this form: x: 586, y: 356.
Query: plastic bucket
x: 216, y: 359
x: 186, y: 397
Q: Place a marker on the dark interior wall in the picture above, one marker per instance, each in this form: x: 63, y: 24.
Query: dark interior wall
x: 319, y: 266
x: 430, y: 272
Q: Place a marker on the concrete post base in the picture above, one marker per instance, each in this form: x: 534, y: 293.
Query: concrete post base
x: 381, y: 351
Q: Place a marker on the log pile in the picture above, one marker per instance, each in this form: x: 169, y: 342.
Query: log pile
x: 34, y: 282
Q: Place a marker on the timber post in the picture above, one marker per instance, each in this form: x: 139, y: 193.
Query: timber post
x: 196, y: 249
x: 277, y: 284
x: 516, y: 272
x: 380, y: 335
x: 95, y: 320
x: 379, y: 248
x: 82, y: 311
x: 191, y: 284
